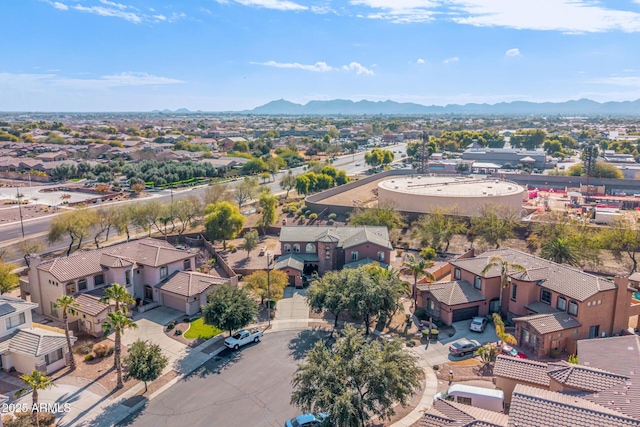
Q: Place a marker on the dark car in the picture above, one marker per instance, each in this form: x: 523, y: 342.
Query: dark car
x: 464, y: 346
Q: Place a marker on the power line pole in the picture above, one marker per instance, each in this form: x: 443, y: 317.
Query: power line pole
x: 19, y: 197
x: 269, y: 287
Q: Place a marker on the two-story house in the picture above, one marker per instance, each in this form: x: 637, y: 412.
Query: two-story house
x: 326, y: 248
x: 552, y: 305
x: 25, y: 346
x: 138, y: 265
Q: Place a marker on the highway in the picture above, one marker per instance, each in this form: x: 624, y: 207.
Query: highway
x: 37, y: 228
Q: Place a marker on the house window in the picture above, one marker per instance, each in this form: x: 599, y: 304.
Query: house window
x: 514, y: 291
x: 432, y: 305
x: 594, y: 331
x: 310, y: 249
x: 54, y: 309
x: 573, y: 308
x: 354, y: 255
x: 477, y: 283
x: 287, y: 248
x: 464, y: 400
x: 296, y: 248
x: 187, y: 264
x: 53, y: 357
x: 456, y: 274
x: 532, y: 340
x: 525, y: 336
x: 545, y: 296
x: 71, y: 288
x: 327, y: 253
x: 15, y: 321
x: 562, y: 304
x: 98, y: 280
x: 164, y: 271
x: 82, y: 284
x: 380, y: 256
x: 127, y: 278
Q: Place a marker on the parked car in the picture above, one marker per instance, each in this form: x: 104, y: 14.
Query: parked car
x: 510, y: 351
x: 243, y: 337
x: 478, y: 323
x: 307, y: 420
x: 464, y: 346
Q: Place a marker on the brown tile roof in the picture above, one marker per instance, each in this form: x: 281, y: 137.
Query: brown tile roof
x: 548, y: 323
x: 582, y: 377
x: 114, y: 261
x: 535, y: 407
x: 148, y: 251
x: 346, y: 236
x: 525, y: 370
x: 541, y: 308
x: 90, y: 305
x: 561, y: 278
x: 189, y: 283
x: 449, y: 413
x: 453, y: 293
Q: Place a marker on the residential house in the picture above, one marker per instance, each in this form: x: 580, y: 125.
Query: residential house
x: 187, y: 290
x: 552, y: 305
x: 52, y: 156
x: 226, y: 144
x: 25, y: 346
x: 138, y: 265
x: 326, y: 248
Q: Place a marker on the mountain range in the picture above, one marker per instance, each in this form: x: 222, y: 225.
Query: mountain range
x: 364, y: 107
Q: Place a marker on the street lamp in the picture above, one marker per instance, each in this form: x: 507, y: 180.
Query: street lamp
x: 19, y: 196
x: 269, y: 287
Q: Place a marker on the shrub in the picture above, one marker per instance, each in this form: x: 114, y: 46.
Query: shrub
x: 84, y: 348
x: 178, y: 332
x: 89, y: 357
x: 554, y: 353
x: 303, y: 207
x: 302, y: 217
x: 231, y: 246
x: 411, y: 343
x: 436, y: 367
x: 307, y: 212
x: 330, y: 222
x: 102, y: 350
x: 23, y: 419
x: 234, y: 250
x: 171, y: 325
x: 313, y: 216
x: 299, y: 212
x: 332, y: 216
x: 399, y: 252
x: 421, y: 314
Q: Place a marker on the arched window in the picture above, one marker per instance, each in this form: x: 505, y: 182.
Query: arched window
x: 431, y: 305
x: 287, y: 248
x: 310, y: 249
x: 296, y: 248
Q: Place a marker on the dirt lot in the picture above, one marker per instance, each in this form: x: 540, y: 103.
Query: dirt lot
x: 9, y: 213
x: 360, y: 196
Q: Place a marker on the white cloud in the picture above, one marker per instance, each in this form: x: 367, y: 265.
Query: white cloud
x: 273, y: 4
x: 630, y: 81
x: 60, y: 6
x: 513, y: 52
x: 105, y: 11
x: 358, y: 68
x: 420, y: 61
x: 320, y: 67
x: 116, y: 5
x: 50, y: 80
x: 160, y: 17
x: 451, y: 60
x: 138, y: 79
x: 400, y: 11
x: 113, y: 9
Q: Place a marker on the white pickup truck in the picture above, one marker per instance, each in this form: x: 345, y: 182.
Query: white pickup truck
x: 243, y: 337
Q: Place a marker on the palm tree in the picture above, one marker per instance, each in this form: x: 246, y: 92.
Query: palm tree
x: 120, y: 295
x: 35, y: 381
x: 505, y: 268
x: 418, y: 268
x: 501, y: 333
x: 117, y: 322
x: 559, y: 250
x: 68, y: 305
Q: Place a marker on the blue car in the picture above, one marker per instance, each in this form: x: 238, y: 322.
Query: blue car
x: 307, y: 420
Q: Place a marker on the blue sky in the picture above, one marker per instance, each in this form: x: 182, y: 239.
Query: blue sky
x: 140, y: 55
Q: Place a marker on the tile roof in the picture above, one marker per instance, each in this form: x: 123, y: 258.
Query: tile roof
x: 525, y: 370
x: 453, y: 293
x: 289, y: 260
x: 364, y: 261
x: 90, y: 305
x: 548, y: 323
x: 447, y: 412
x: 535, y: 407
x: 10, y: 305
x: 582, y: 377
x: 147, y: 251
x: 35, y: 342
x: 189, y: 283
x: 561, y: 278
x: 541, y: 308
x: 345, y: 236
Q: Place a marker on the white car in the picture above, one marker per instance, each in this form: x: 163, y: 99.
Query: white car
x: 477, y: 324
x: 243, y: 337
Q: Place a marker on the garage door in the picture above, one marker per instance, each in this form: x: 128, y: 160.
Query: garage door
x: 465, y: 313
x: 173, y: 302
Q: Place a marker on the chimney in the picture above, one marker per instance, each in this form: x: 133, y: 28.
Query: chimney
x: 623, y: 303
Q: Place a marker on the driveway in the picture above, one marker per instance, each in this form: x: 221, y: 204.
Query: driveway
x: 151, y: 327
x: 249, y: 387
x: 293, y: 304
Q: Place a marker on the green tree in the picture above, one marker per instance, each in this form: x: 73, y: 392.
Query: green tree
x: 245, y: 190
x: 223, y: 221
x: 303, y: 184
x: 372, y: 295
x: 268, y: 209
x: 487, y: 354
x: 264, y: 176
x: 331, y: 293
x: 117, y: 322
x: 505, y: 337
x: 259, y: 283
x: 145, y: 362
x: 8, y: 279
x: 355, y: 379
x: 229, y: 308
x: 251, y: 240
x: 35, y: 381
x: 186, y: 212
x: 215, y: 193
x: 383, y: 215
x: 506, y: 268
x: 119, y: 295
x: 288, y: 183
x: 76, y: 224
x: 560, y: 250
x: 494, y: 224
x: 68, y: 304
x: 623, y: 238
x: 418, y: 268
x: 439, y: 227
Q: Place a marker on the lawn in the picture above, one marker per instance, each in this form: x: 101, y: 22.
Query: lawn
x: 198, y: 329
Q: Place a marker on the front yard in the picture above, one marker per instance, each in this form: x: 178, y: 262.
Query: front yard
x: 198, y: 329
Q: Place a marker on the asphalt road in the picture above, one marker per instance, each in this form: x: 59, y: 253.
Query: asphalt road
x: 38, y: 227
x: 250, y: 387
